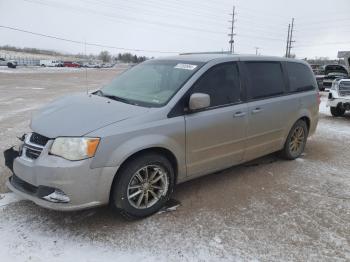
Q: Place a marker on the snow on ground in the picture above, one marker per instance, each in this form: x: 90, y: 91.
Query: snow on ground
x: 8, y: 198
x: 324, y: 109
x: 38, y: 69
x: 29, y: 236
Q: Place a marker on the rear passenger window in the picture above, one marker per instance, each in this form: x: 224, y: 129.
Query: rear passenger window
x: 266, y: 79
x: 222, y: 83
x: 300, y: 77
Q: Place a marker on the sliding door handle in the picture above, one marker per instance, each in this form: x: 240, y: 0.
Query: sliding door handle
x: 239, y: 114
x: 256, y: 110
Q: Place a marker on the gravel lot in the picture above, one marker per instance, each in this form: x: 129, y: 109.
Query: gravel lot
x: 266, y: 210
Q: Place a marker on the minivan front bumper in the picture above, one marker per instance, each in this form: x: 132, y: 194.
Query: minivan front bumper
x: 56, y: 183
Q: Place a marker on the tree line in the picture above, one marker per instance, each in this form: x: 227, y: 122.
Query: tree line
x: 105, y: 56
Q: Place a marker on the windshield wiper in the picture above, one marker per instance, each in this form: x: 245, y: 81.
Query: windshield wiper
x: 113, y: 97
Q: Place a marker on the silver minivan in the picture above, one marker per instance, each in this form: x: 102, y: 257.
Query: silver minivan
x: 160, y: 123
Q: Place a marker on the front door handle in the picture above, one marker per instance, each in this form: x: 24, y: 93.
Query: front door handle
x: 256, y: 110
x: 239, y: 114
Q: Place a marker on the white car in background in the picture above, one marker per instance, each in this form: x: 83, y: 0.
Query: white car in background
x: 339, y: 97
x: 8, y: 63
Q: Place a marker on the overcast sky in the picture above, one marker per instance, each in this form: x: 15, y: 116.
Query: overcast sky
x: 322, y: 27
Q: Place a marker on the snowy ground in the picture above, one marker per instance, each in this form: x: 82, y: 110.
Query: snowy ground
x: 266, y: 210
x: 54, y: 70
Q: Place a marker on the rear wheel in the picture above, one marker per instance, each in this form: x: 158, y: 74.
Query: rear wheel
x: 143, y: 186
x: 296, y: 141
x: 337, y: 111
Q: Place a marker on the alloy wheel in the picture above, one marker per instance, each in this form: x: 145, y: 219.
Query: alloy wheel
x: 147, y: 186
x: 297, y: 140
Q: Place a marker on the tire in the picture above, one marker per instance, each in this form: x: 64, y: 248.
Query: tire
x: 337, y: 111
x: 125, y: 197
x: 296, y: 141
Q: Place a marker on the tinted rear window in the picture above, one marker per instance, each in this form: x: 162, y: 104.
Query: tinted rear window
x: 300, y: 77
x: 266, y: 79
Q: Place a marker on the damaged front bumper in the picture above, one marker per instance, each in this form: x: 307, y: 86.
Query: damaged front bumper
x: 56, y: 183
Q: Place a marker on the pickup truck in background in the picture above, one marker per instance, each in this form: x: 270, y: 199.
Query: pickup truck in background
x: 8, y: 63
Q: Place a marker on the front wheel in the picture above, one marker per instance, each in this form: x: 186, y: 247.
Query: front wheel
x: 296, y: 141
x: 143, y: 186
x: 337, y: 111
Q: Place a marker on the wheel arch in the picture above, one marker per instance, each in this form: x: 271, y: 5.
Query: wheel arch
x: 305, y: 117
x: 156, y: 149
x: 307, y: 120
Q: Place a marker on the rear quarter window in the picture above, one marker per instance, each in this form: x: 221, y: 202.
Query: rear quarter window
x: 300, y: 77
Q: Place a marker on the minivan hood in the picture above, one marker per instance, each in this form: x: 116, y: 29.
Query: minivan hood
x: 79, y: 114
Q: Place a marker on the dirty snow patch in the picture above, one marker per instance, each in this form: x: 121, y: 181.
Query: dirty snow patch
x: 9, y: 198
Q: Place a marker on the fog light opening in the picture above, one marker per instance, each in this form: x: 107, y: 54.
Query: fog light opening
x: 58, y: 196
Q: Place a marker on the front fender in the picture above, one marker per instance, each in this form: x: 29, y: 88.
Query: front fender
x: 115, y: 149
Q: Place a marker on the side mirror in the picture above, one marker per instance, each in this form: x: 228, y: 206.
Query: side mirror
x: 199, y: 101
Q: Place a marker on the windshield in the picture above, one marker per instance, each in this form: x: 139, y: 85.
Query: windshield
x: 152, y: 83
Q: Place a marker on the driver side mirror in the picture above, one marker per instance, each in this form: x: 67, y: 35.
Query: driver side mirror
x: 199, y: 101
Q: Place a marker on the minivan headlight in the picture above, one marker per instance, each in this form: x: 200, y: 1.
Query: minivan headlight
x: 75, y: 148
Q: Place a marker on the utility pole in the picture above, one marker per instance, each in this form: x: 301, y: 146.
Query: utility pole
x: 231, y: 42
x: 287, y: 47
x: 256, y: 50
x: 291, y: 37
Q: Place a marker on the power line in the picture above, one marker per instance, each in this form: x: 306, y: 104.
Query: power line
x: 254, y: 30
x: 260, y: 37
x: 111, y: 16
x: 150, y: 10
x: 127, y: 18
x: 321, y: 44
x: 275, y: 14
x: 87, y: 43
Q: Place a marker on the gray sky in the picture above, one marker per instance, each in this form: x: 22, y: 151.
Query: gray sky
x: 322, y: 27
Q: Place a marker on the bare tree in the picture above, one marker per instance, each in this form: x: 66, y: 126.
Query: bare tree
x: 105, y: 56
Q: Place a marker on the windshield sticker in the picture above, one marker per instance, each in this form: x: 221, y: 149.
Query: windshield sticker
x: 185, y: 66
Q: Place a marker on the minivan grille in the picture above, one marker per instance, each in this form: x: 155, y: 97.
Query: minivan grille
x: 33, y: 145
x: 344, y: 88
x: 38, y: 139
x: 33, y: 153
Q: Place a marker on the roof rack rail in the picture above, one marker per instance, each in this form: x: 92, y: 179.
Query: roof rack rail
x: 208, y: 53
